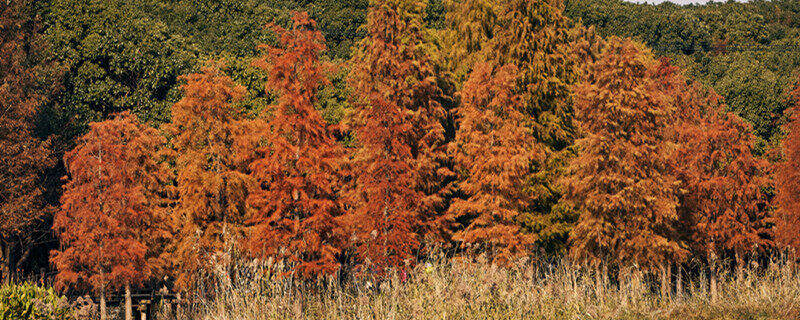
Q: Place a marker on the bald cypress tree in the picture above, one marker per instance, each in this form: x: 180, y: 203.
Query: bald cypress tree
x: 787, y: 182
x: 110, y: 218
x: 621, y: 181
x: 295, y: 197
x: 397, y: 126
x: 533, y: 36
x: 723, y: 210
x: 492, y: 152
x: 211, y: 184
x: 24, y: 88
x: 470, y: 26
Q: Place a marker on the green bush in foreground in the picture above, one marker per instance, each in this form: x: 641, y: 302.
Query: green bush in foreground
x: 31, y: 302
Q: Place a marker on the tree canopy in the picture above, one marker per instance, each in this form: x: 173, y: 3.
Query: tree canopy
x: 627, y: 194
x: 212, y: 186
x: 109, y: 214
x: 296, y: 203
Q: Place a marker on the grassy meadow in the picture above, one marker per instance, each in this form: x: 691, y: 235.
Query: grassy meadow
x: 448, y: 289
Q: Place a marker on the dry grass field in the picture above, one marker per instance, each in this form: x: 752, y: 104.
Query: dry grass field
x: 476, y: 290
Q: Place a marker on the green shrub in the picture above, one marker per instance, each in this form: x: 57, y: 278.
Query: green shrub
x: 31, y: 302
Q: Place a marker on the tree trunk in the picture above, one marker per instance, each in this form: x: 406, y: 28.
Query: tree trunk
x: 10, y: 260
x: 598, y: 282
x: 25, y: 252
x: 624, y: 285
x: 5, y: 263
x: 128, y: 303
x: 679, y: 282
x: 713, y: 277
x: 179, y: 306
x: 666, y: 274
x: 739, y: 270
x: 103, y: 311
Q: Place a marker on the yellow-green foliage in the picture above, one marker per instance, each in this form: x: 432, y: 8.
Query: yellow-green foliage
x: 31, y: 302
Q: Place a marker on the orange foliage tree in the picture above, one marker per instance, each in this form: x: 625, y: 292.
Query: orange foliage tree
x: 295, y: 197
x: 723, y: 209
x: 110, y: 213
x: 586, y: 46
x: 493, y: 151
x: 787, y: 183
x: 24, y: 156
x: 620, y: 181
x: 211, y: 183
x: 400, y: 139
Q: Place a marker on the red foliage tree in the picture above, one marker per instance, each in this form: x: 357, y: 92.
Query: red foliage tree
x: 24, y: 156
x: 400, y: 139
x: 295, y: 198
x: 621, y: 181
x: 211, y: 183
x: 723, y: 209
x: 109, y: 206
x: 493, y: 152
x: 787, y: 182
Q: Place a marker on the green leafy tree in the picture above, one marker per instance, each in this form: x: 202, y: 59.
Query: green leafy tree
x: 340, y: 22
x: 118, y: 59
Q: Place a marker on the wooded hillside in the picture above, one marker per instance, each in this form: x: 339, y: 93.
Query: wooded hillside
x: 338, y: 138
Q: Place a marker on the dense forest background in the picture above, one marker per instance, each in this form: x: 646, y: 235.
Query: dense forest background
x: 109, y: 56
x: 746, y: 51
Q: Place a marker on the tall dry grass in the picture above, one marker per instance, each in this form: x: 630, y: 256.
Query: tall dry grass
x: 447, y: 289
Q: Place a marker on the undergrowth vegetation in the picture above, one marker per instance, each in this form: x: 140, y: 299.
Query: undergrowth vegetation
x: 28, y: 301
